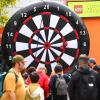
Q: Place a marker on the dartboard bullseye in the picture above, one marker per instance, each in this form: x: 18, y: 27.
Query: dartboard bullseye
x: 45, y: 35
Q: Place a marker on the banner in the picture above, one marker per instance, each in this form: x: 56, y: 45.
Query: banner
x: 85, y: 9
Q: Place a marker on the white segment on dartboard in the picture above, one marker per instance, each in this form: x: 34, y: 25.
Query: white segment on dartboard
x: 40, y: 65
x: 43, y: 58
x: 26, y: 31
x: 66, y: 29
x: 50, y: 34
x: 38, y: 52
x: 54, y: 20
x: 38, y: 21
x: 20, y: 46
x: 42, y: 32
x: 53, y: 65
x: 36, y: 38
x: 72, y: 44
x: 55, y: 38
x: 56, y: 51
x: 28, y: 60
x: 51, y: 56
x: 67, y: 59
x: 57, y: 44
x: 33, y: 46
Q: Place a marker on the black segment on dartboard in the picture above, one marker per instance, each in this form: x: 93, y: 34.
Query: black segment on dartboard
x: 31, y: 25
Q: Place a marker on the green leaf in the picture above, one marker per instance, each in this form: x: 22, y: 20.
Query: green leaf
x: 3, y: 12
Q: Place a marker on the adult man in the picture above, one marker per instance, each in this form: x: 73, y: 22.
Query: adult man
x: 58, y: 84
x: 13, y: 87
x: 85, y: 82
x: 93, y: 65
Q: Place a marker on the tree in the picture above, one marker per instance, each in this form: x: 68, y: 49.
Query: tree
x: 3, y: 12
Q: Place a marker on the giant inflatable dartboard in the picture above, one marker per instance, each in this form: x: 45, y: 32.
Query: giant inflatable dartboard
x: 45, y: 33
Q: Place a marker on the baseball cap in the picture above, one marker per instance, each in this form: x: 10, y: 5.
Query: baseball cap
x: 91, y: 60
x: 18, y: 58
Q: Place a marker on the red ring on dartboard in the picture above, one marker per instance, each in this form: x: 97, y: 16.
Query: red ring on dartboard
x: 46, y: 44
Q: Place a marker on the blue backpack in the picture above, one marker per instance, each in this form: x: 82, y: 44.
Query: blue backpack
x: 2, y: 76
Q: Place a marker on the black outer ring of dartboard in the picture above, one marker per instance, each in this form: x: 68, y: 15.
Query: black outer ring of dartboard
x: 53, y: 8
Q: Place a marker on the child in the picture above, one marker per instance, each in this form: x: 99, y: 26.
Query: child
x: 34, y: 91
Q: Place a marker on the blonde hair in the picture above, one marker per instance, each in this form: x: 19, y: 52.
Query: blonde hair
x: 41, y: 68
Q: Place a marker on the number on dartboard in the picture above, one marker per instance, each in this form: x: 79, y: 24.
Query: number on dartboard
x: 84, y: 44
x: 46, y: 6
x: 68, y: 13
x: 15, y: 23
x: 77, y: 22
x: 82, y: 33
x: 9, y: 34
x: 10, y: 58
x: 34, y: 9
x: 23, y: 15
x: 58, y: 8
x: 8, y: 46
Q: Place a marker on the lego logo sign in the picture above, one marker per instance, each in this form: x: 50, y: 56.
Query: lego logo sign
x: 78, y: 9
x: 85, y: 9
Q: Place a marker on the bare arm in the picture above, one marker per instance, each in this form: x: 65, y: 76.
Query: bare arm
x: 11, y: 95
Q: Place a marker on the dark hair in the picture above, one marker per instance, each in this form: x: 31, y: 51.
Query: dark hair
x: 58, y: 69
x: 31, y: 69
x: 92, y: 60
x: 84, y: 59
x: 25, y: 75
x: 34, y: 77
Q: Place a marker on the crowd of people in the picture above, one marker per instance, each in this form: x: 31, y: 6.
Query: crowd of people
x: 34, y: 84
